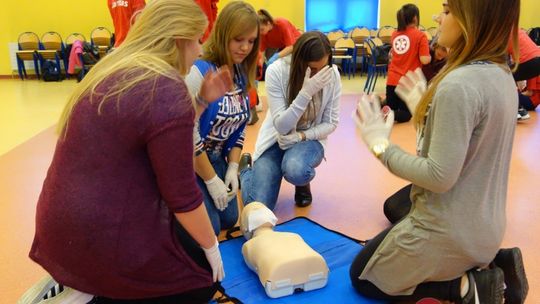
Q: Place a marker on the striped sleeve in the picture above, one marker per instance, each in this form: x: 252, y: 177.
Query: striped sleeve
x: 198, y: 145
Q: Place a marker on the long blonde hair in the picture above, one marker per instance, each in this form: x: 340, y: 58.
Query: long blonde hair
x: 149, y: 51
x: 486, y: 26
x: 236, y: 18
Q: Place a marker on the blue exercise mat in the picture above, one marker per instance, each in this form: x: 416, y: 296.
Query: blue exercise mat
x: 337, y: 249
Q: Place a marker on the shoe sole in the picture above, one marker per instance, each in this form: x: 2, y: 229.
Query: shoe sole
x: 516, y: 282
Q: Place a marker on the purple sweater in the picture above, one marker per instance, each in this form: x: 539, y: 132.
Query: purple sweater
x: 105, y: 213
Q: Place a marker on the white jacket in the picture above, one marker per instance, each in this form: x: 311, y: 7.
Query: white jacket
x: 326, y: 120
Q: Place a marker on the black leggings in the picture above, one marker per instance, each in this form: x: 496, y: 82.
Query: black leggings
x: 398, y: 205
x: 448, y: 290
x: 528, y: 69
x: 194, y: 296
x: 401, y: 112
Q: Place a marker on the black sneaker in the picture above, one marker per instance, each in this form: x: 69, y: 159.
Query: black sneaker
x: 511, y: 263
x: 245, y: 163
x: 522, y: 114
x: 489, y: 285
x: 302, y: 196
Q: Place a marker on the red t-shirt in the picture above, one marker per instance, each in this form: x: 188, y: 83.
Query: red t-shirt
x: 534, y: 86
x: 283, y: 34
x: 209, y: 7
x: 121, y: 13
x: 407, y: 47
x: 527, y: 48
x: 104, y: 220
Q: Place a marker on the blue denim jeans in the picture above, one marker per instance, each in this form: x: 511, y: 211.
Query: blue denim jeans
x: 262, y: 182
x: 220, y: 219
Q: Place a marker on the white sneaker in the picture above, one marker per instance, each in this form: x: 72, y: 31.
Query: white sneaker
x: 48, y: 291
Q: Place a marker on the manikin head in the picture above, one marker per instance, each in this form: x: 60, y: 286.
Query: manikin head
x: 256, y: 215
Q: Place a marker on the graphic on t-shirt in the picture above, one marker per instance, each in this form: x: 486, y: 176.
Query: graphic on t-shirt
x: 120, y: 3
x: 233, y: 112
x: 401, y: 44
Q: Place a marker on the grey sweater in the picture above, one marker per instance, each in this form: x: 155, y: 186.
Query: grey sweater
x: 459, y: 183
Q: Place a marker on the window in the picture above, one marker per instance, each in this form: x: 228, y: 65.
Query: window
x: 329, y: 15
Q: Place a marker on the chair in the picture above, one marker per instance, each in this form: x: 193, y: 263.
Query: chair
x: 374, y: 69
x: 433, y: 31
x: 28, y: 43
x: 345, y: 50
x: 385, y: 34
x: 52, y: 48
x: 75, y: 36
x: 334, y: 36
x: 359, y: 35
x: 421, y: 27
x: 428, y: 35
x: 373, y: 32
x: 102, y: 38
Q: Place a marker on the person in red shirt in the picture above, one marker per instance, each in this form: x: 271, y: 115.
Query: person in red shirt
x: 528, y: 70
x: 529, y: 57
x: 121, y: 12
x: 120, y: 215
x: 410, y: 50
x: 529, y: 97
x: 209, y: 7
x: 276, y: 33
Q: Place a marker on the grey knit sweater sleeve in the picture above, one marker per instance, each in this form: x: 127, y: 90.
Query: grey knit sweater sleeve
x: 451, y: 120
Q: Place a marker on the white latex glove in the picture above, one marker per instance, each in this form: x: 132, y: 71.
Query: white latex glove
x: 215, y: 84
x: 314, y: 84
x: 214, y: 259
x: 231, y: 180
x: 218, y: 192
x: 374, y: 126
x: 287, y: 141
x: 411, y: 88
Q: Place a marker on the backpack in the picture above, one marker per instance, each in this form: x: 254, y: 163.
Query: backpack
x: 534, y: 34
x: 90, y: 53
x: 381, y: 53
x: 51, y: 71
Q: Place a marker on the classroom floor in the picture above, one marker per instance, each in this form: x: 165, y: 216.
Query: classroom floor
x: 349, y: 190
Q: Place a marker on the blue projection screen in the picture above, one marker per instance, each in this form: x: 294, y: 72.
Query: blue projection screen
x: 330, y: 15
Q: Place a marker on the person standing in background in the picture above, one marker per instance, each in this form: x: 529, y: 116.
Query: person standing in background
x: 209, y: 7
x: 121, y: 12
x: 410, y: 50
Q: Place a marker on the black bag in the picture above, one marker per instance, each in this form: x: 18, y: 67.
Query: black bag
x: 534, y: 34
x: 50, y: 71
x: 381, y: 53
x: 90, y: 53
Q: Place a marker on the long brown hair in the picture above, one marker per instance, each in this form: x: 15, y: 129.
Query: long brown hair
x: 406, y: 14
x: 310, y: 46
x: 486, y: 26
x: 236, y: 18
x: 265, y: 17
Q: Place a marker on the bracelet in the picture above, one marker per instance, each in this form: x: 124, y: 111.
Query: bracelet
x: 201, y: 101
x: 379, y: 148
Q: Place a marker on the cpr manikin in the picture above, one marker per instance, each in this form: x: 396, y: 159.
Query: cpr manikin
x: 283, y: 261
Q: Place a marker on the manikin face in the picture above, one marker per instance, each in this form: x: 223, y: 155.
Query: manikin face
x: 191, y: 50
x: 449, y: 31
x: 241, y: 46
x: 316, y: 66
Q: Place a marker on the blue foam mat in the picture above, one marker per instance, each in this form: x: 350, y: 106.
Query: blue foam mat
x: 338, y: 251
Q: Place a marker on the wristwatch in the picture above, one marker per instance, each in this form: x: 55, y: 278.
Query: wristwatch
x: 379, y: 148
